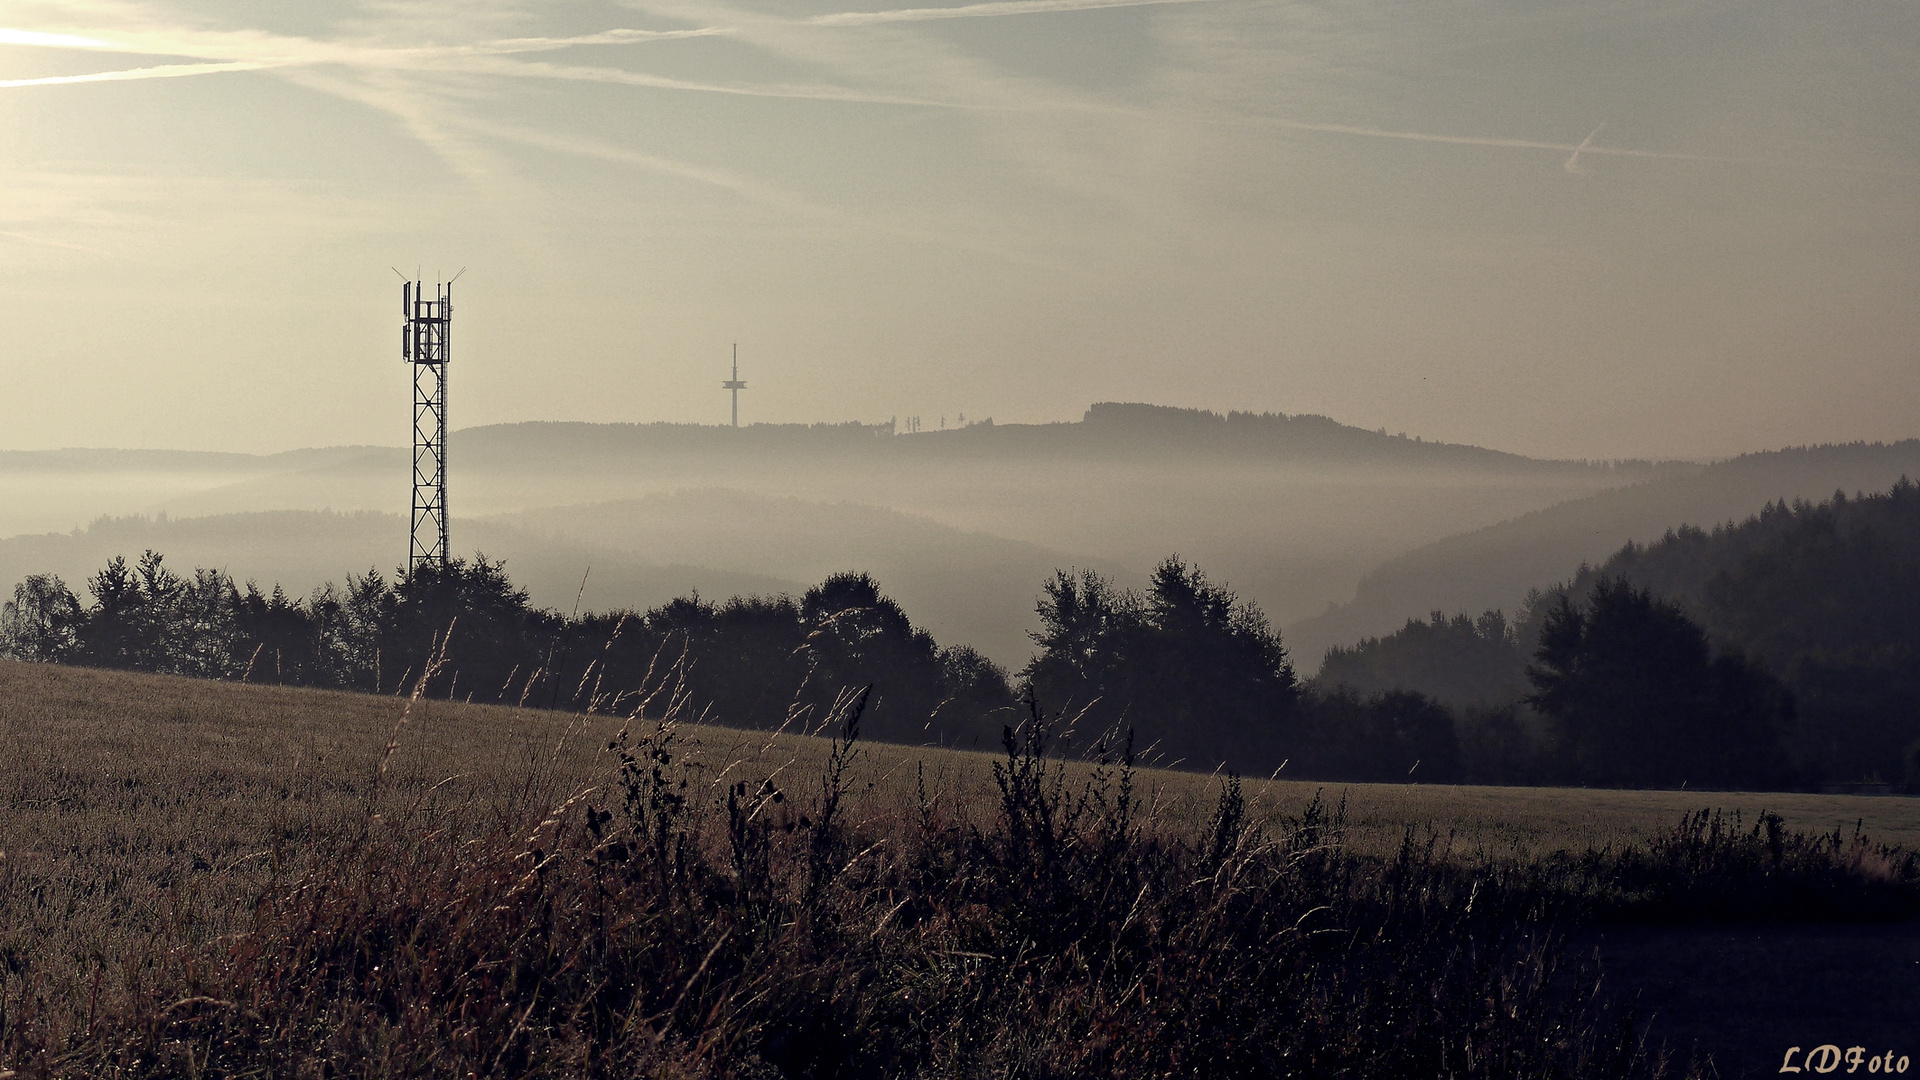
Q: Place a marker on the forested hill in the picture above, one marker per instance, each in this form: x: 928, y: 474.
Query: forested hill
x: 1824, y: 595
x: 1840, y: 578
x: 1108, y: 429
x: 1827, y: 595
x: 1494, y: 566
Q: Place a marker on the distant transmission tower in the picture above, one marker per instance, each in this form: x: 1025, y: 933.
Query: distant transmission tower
x: 423, y: 343
x: 734, y: 384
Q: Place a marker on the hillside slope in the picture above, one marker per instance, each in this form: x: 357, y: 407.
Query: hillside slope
x: 1493, y: 567
x: 1826, y: 596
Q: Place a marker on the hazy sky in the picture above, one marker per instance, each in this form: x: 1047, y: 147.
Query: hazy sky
x: 1569, y: 229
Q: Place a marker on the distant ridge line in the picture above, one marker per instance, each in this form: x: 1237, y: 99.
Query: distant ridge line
x: 1107, y: 430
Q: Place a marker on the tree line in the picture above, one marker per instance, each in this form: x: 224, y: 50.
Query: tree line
x: 1196, y: 675
x: 464, y: 631
x: 1622, y: 687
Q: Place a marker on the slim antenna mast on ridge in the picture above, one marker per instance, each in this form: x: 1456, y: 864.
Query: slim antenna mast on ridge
x: 734, y: 384
x: 423, y: 344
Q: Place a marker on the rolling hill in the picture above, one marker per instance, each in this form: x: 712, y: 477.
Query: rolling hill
x: 1493, y: 567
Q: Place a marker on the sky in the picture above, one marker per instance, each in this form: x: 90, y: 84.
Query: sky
x: 1600, y: 229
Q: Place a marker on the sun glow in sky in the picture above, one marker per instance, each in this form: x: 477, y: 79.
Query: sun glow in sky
x: 1597, y: 229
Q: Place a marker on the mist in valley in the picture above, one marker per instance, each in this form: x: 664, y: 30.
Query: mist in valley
x: 1336, y: 533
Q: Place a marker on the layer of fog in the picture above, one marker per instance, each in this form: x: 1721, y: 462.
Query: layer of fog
x: 962, y: 527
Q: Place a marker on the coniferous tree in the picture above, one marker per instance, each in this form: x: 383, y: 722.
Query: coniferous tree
x: 1199, y: 675
x: 1638, y: 698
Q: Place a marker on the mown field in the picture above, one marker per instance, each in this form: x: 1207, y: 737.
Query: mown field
x: 146, y: 819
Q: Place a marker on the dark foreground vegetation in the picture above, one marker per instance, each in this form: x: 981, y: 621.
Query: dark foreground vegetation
x: 680, y: 917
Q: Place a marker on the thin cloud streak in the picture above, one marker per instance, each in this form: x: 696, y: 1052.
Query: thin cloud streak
x: 988, y: 10
x: 247, y: 52
x: 163, y: 71
x: 604, y: 37
x: 273, y: 50
x: 623, y: 77
x: 1576, y: 149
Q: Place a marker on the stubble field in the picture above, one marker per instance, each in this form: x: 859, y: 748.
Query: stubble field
x: 147, y: 813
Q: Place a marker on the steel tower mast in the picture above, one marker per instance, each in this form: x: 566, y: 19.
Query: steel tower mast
x: 734, y: 384
x: 423, y: 344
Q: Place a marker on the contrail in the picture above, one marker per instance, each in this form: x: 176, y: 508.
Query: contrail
x: 974, y: 11
x: 253, y: 52
x: 604, y: 37
x: 620, y: 77
x: 163, y: 71
x: 1571, y: 165
x: 281, y: 51
x: 483, y: 60
x: 1480, y: 140
x: 1586, y: 148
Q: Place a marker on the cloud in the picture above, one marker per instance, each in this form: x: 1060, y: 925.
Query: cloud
x: 54, y: 41
x: 922, y: 73
x: 162, y: 71
x: 229, y: 52
x: 988, y: 10
x: 604, y: 37
x: 623, y: 77
x: 262, y: 50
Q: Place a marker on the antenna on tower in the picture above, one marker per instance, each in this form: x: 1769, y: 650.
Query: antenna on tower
x: 423, y: 344
x: 734, y: 384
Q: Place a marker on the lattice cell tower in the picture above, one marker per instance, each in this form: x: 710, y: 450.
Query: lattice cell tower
x: 734, y: 384
x: 423, y: 344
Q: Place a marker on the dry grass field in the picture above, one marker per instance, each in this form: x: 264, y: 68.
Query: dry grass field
x: 142, y: 810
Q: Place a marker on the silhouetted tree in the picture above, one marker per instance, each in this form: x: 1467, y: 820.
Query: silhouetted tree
x: 856, y: 636
x: 1199, y: 674
x: 42, y: 621
x: 127, y: 625
x: 1637, y: 697
x: 751, y: 661
x: 977, y: 701
x: 472, y: 615
x: 1502, y: 744
x: 281, y: 639
x: 1087, y: 629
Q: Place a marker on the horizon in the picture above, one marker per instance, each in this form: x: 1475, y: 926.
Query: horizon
x: 1633, y: 231
x: 900, y: 430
